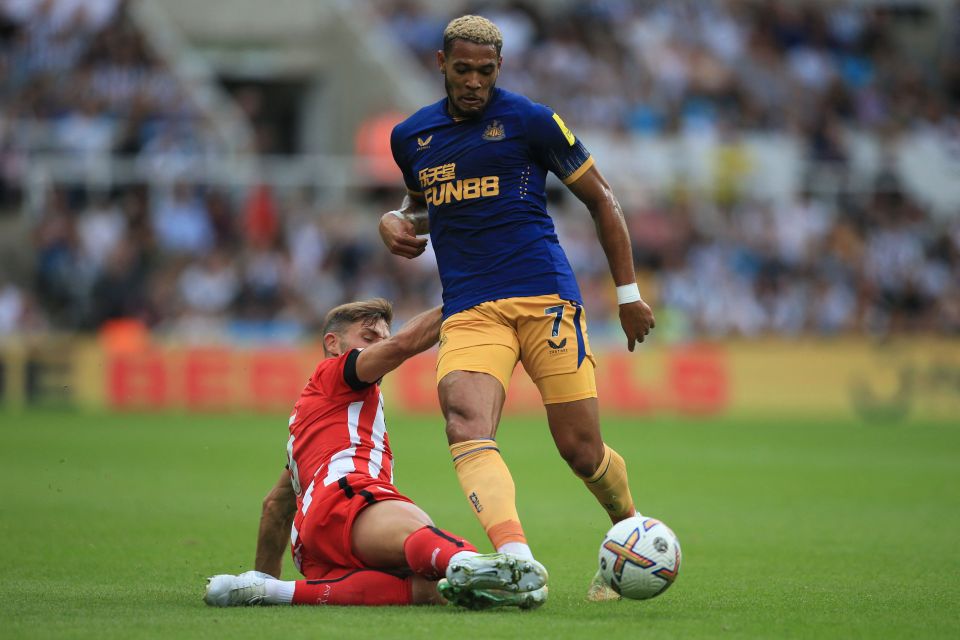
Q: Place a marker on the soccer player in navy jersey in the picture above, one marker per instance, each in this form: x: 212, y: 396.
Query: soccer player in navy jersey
x: 475, y: 166
x: 356, y: 539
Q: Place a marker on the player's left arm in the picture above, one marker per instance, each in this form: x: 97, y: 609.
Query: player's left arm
x: 592, y: 189
x: 557, y: 149
x: 276, y: 518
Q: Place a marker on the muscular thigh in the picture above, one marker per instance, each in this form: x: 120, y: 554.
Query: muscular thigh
x: 478, y: 340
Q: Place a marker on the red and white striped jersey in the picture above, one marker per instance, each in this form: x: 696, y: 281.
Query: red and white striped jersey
x: 337, y: 429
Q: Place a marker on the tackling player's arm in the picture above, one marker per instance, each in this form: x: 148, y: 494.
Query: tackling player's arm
x: 276, y: 518
x: 399, y: 228
x: 377, y: 360
x: 592, y: 189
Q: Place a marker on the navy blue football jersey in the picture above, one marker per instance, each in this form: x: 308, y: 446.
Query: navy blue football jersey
x: 484, y: 180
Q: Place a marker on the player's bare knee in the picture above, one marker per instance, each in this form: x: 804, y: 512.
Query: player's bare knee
x: 471, y: 403
x: 583, y: 465
x: 461, y: 428
x: 582, y: 458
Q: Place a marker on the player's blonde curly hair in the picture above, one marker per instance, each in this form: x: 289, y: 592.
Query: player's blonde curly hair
x: 476, y: 29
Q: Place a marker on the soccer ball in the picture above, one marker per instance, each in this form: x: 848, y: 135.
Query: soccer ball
x: 640, y: 557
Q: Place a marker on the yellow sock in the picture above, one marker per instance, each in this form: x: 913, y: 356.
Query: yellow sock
x: 609, y: 486
x: 489, y: 487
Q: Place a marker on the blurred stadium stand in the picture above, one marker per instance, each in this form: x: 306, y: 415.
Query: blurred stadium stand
x: 787, y: 168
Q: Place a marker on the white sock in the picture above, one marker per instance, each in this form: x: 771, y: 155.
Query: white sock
x: 516, y: 548
x: 279, y: 591
x: 462, y: 555
x: 459, y: 555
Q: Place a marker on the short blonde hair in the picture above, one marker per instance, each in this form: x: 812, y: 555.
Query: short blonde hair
x: 476, y: 29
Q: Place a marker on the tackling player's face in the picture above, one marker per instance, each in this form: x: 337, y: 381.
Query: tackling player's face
x: 361, y: 334
x: 470, y: 72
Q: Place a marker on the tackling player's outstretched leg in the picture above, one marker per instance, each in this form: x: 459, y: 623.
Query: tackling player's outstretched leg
x: 367, y: 588
x: 351, y: 529
x: 396, y: 535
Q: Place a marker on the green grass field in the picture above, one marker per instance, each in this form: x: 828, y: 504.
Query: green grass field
x: 110, y: 524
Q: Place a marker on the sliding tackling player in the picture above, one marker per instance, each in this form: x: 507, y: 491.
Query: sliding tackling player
x: 475, y: 167
x: 355, y: 537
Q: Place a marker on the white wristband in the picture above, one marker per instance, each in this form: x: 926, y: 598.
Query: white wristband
x: 628, y: 293
x: 398, y: 214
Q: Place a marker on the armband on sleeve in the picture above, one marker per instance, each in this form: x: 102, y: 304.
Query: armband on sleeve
x: 350, y: 372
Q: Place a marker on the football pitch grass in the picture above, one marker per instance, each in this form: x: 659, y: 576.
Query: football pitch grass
x: 110, y: 524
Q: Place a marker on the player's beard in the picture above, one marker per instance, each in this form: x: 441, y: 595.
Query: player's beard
x: 452, y: 103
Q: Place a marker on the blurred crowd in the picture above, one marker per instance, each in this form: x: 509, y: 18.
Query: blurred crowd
x: 659, y: 66
x: 874, y: 264
x: 204, y: 262
x: 78, y: 77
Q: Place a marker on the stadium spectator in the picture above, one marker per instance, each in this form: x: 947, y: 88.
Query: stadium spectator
x: 181, y: 223
x: 18, y: 312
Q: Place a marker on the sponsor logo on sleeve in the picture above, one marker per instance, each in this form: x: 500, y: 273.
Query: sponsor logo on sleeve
x: 563, y: 127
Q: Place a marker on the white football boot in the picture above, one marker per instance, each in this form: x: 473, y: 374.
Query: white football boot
x: 480, y: 599
x: 503, y: 571
x: 246, y: 589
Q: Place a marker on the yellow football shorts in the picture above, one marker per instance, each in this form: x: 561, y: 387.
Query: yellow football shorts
x: 547, y: 334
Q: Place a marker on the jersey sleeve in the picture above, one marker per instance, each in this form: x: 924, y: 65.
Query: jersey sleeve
x: 554, y: 146
x: 396, y: 147
x: 350, y: 372
x: 338, y: 376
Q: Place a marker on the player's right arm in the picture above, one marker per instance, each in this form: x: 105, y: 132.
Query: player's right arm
x: 418, y: 335
x: 399, y: 228
x: 276, y: 518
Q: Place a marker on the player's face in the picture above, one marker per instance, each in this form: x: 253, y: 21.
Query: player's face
x: 470, y: 72
x: 362, y: 334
